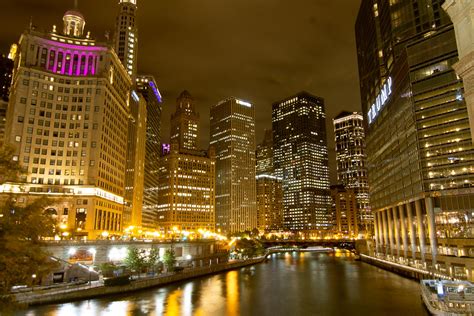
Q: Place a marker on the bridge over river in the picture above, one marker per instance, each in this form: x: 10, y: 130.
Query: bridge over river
x: 326, y: 243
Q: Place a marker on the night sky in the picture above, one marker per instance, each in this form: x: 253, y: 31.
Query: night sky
x: 257, y: 50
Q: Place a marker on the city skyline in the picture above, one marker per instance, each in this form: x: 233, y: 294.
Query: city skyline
x: 303, y: 63
x: 110, y: 184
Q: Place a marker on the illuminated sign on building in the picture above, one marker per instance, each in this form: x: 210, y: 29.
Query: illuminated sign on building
x: 165, y: 149
x: 247, y: 104
x: 380, y: 101
x: 155, y: 90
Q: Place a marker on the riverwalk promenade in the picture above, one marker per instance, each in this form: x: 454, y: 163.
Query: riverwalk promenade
x: 96, y: 289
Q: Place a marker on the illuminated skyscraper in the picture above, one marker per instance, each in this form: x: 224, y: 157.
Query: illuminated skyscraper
x: 233, y: 137
x: 135, y: 169
x: 6, y: 71
x: 351, y: 162
x: 419, y: 146
x: 269, y: 188
x: 147, y: 87
x: 344, y: 212
x: 186, y: 176
x: 184, y: 123
x: 301, y: 161
x: 126, y: 36
x: 68, y: 121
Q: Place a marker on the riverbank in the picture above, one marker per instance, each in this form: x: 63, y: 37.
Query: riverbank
x: 405, y: 271
x: 84, y: 292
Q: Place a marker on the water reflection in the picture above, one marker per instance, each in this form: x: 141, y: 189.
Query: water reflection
x: 289, y: 284
x: 232, y: 291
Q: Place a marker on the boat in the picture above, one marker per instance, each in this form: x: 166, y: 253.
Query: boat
x: 445, y: 297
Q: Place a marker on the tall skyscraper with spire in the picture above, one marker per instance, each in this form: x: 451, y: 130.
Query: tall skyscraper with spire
x: 126, y: 36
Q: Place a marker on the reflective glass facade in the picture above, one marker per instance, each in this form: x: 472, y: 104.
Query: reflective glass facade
x: 419, y: 147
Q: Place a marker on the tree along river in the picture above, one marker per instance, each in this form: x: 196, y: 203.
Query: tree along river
x: 288, y: 284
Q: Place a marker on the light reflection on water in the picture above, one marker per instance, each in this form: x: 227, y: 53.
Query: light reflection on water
x: 288, y: 284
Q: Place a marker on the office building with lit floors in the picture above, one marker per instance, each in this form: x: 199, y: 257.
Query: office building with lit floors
x: 68, y: 122
x: 233, y: 138
x: 146, y: 85
x: 351, y: 163
x: 6, y: 71
x: 269, y: 188
x: 419, y: 148
x: 126, y: 36
x: 135, y: 162
x: 186, y: 176
x: 301, y: 160
x: 344, y: 212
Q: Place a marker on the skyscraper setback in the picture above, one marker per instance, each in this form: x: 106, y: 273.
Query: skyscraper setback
x: 186, y: 175
x: 418, y: 137
x: 233, y: 137
x: 301, y: 161
x: 184, y: 123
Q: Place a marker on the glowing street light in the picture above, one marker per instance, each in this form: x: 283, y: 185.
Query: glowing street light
x: 90, y: 275
x: 34, y: 280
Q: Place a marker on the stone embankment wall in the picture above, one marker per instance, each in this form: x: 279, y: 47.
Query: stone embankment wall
x: 84, y: 292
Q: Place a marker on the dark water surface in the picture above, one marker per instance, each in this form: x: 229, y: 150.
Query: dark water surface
x: 288, y: 284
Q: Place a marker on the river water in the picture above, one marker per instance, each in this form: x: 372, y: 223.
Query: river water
x: 288, y: 284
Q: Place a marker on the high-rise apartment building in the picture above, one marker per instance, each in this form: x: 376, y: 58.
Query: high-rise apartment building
x: 6, y: 71
x: 301, y: 161
x: 269, y: 188
x: 233, y: 137
x: 419, y: 146
x: 351, y: 163
x: 147, y: 87
x: 68, y: 121
x: 186, y: 176
x: 344, y: 212
x: 126, y: 36
x: 184, y: 123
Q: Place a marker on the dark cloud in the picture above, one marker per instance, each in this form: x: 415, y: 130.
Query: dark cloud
x: 258, y: 50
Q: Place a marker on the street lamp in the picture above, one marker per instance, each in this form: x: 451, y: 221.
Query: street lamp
x: 90, y: 276
x: 33, y: 284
